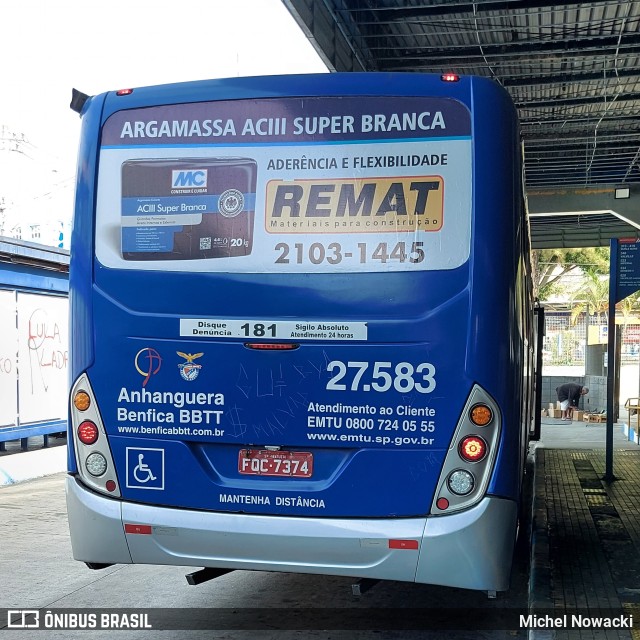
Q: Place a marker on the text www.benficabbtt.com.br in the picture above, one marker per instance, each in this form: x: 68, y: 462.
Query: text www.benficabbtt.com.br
x: 170, y: 431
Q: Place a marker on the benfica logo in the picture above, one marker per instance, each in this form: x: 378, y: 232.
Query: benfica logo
x: 188, y: 370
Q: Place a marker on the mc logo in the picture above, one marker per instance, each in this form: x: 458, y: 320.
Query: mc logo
x: 188, y: 179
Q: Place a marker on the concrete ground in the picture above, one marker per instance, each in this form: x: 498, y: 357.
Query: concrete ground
x: 586, y: 532
x: 585, y: 545
x: 18, y: 466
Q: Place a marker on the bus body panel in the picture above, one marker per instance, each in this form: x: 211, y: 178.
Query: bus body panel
x: 460, y: 550
x: 272, y: 408
x: 405, y: 341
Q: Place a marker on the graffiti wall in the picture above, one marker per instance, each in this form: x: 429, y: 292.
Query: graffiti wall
x: 8, y: 359
x: 34, y: 353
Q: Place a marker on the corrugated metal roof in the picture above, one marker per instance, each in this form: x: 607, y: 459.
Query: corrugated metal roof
x: 30, y: 253
x: 573, y: 69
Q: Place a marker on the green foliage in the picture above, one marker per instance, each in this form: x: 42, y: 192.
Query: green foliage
x: 592, y: 297
x: 629, y: 306
x: 550, y: 265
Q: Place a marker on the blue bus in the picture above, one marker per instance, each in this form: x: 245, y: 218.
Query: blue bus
x: 302, y: 333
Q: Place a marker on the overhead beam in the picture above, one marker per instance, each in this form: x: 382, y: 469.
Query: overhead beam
x: 449, y: 8
x: 578, y: 101
x: 606, y: 45
x: 531, y: 122
x: 566, y: 78
x: 572, y: 218
x: 551, y: 236
x: 601, y: 198
x: 575, y: 136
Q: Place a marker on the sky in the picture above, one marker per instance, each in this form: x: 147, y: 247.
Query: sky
x: 49, y: 47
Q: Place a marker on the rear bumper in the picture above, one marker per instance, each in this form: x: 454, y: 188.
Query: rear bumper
x: 462, y: 550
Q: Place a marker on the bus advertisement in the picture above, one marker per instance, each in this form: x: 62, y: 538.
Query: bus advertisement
x: 301, y: 328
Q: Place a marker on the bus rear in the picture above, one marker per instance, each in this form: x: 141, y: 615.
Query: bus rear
x: 295, y: 328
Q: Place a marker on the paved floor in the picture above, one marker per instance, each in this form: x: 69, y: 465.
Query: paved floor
x: 586, y: 532
x: 586, y: 539
x: 18, y: 466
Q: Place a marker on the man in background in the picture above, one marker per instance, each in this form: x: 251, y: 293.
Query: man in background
x: 568, y: 395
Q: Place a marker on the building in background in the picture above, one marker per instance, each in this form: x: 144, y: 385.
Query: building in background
x: 36, y: 195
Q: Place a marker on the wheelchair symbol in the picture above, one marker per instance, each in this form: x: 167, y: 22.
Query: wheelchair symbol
x: 141, y: 472
x: 145, y: 468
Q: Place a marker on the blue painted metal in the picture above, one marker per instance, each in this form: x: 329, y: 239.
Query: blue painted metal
x: 26, y: 266
x: 462, y: 319
x: 25, y: 431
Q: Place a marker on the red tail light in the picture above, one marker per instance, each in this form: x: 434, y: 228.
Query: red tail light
x: 473, y: 449
x: 88, y: 432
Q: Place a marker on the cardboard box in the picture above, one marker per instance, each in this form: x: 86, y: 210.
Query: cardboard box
x: 578, y: 415
x: 556, y: 413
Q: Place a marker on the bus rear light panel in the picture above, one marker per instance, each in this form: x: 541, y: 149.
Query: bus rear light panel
x: 93, y: 455
x: 469, y: 461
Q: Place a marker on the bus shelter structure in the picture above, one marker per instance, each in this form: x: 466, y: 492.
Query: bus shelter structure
x: 34, y: 286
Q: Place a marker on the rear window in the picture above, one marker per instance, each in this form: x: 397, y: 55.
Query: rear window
x: 287, y: 185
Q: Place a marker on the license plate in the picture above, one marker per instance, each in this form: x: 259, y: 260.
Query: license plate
x: 288, y: 464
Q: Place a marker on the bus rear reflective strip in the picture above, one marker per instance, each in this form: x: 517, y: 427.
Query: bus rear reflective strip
x: 144, y: 529
x: 403, y: 544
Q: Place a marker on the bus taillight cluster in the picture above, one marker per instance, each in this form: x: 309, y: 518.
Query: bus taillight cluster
x: 93, y: 455
x: 468, y: 464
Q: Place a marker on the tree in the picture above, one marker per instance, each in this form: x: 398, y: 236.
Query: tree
x: 549, y: 265
x: 591, y: 298
x: 629, y: 306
